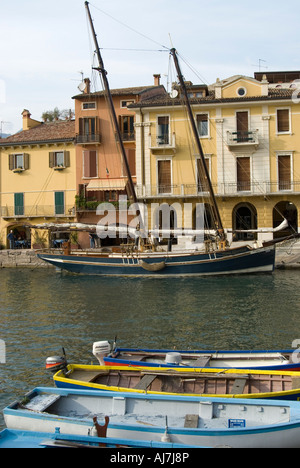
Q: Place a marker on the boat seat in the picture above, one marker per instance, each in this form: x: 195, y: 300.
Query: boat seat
x: 145, y: 382
x: 201, y: 361
x: 191, y: 420
x: 238, y: 386
x: 41, y: 402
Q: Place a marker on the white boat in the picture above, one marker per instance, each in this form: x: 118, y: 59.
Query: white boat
x: 192, y: 421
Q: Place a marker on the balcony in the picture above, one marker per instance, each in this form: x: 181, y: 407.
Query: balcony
x: 242, y: 139
x: 89, y: 139
x: 163, y: 142
x: 42, y: 211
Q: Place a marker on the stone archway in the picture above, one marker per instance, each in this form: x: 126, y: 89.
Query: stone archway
x: 287, y: 210
x: 244, y: 218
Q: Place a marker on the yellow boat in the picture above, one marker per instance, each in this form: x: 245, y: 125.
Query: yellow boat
x: 206, y: 382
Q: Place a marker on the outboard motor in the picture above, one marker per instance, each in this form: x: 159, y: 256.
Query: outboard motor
x: 56, y: 363
x: 101, y: 349
x: 173, y: 359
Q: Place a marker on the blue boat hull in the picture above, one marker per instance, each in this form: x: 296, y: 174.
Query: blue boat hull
x: 237, y: 261
x: 119, y: 358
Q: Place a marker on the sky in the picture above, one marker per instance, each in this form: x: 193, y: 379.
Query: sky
x: 45, y: 47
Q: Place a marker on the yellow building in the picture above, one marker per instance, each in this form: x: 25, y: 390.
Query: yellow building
x: 250, y: 134
x: 38, y: 180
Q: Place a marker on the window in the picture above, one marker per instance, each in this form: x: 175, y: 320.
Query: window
x: 202, y: 125
x: 88, y: 105
x: 163, y: 129
x: 130, y: 154
x: 59, y: 159
x: 283, y: 120
x: 242, y: 126
x: 164, y: 176
x: 18, y: 162
x: 90, y: 169
x: 202, y: 183
x: 126, y: 103
x: 127, y: 127
x: 241, y: 92
x: 19, y: 204
x: 88, y: 130
x: 243, y: 174
x: 284, y: 172
x: 59, y: 199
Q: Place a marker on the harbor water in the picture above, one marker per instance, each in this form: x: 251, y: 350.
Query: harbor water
x: 42, y: 311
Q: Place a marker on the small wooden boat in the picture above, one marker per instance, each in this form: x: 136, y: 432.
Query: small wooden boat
x: 262, y: 360
x: 191, y: 421
x: 226, y: 383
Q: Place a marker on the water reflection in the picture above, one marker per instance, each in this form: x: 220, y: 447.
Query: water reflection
x: 41, y: 311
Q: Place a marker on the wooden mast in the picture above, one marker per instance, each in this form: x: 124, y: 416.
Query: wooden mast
x: 119, y: 139
x: 216, y: 213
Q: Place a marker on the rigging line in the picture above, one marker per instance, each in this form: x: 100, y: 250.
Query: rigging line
x: 130, y: 28
x: 133, y: 50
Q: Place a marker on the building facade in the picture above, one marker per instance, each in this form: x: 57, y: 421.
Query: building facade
x: 249, y: 131
x: 101, y: 175
x: 38, y: 181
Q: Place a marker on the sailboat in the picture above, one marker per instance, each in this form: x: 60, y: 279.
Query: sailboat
x: 220, y: 260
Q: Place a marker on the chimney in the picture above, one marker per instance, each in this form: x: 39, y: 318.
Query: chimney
x: 28, y: 122
x: 157, y: 80
x: 87, y: 89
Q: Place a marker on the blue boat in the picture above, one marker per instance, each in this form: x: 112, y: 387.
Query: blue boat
x: 256, y: 360
x: 243, y: 260
x: 13, y: 438
x: 188, y: 421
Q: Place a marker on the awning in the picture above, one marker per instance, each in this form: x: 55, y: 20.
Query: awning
x: 107, y: 184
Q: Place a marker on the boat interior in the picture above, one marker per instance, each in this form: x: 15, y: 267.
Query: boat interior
x: 161, y: 413
x: 188, y: 383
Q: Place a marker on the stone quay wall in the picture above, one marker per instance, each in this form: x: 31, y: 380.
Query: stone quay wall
x: 21, y: 259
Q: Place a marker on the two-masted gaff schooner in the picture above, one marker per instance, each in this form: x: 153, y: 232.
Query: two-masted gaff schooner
x: 139, y: 261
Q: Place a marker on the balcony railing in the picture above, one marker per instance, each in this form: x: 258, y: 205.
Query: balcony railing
x: 88, y: 139
x: 42, y: 211
x: 242, y: 138
x: 229, y: 189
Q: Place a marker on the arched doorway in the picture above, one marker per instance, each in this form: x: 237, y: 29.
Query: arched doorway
x: 287, y: 210
x: 21, y: 237
x: 244, y: 219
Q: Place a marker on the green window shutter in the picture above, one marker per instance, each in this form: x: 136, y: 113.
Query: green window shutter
x: 59, y: 203
x: 19, y: 204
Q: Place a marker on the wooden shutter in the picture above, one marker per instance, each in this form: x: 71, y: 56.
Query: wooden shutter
x: 130, y: 154
x: 243, y: 174
x: 51, y: 159
x: 90, y: 164
x: 67, y: 158
x: 26, y: 161
x: 11, y: 162
x: 201, y: 177
x: 164, y: 176
x: 283, y: 120
x: 284, y: 172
